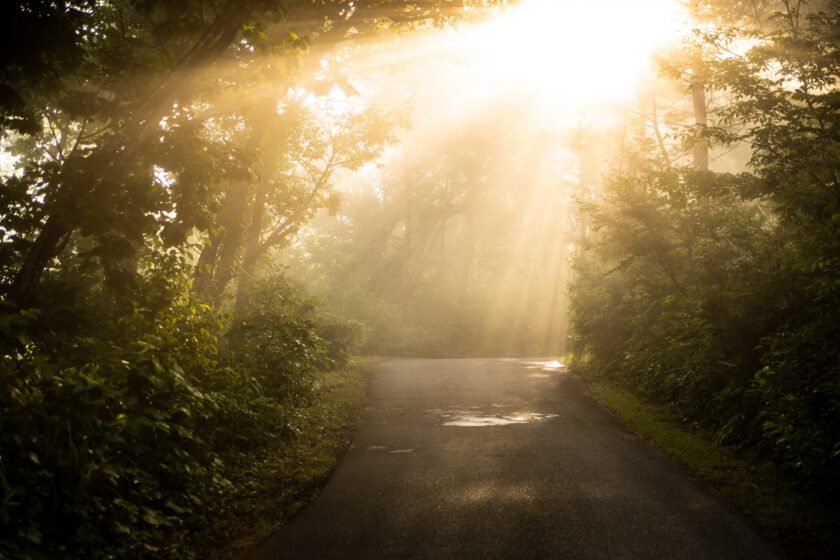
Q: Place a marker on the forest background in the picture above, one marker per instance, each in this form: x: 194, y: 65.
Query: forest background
x: 208, y: 203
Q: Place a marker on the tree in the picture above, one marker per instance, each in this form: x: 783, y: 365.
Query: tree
x: 138, y: 129
x: 106, y: 79
x: 718, y: 293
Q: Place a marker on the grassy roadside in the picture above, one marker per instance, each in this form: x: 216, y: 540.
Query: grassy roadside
x: 803, y: 528
x: 286, y: 477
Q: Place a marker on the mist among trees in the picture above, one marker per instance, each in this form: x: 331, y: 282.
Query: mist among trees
x: 204, y: 205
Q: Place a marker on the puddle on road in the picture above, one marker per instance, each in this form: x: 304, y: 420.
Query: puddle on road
x: 544, y: 369
x: 385, y: 448
x: 472, y: 419
x: 554, y: 365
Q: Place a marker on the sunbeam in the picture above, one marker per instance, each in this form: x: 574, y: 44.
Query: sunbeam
x: 212, y: 212
x: 570, y: 54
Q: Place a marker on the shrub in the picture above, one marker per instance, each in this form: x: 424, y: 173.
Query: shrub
x: 114, y: 446
x: 343, y: 336
x: 116, y: 452
x: 274, y: 338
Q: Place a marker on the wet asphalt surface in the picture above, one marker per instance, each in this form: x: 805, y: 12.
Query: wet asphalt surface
x: 506, y: 459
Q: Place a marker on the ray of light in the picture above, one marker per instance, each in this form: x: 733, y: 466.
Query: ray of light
x: 572, y: 52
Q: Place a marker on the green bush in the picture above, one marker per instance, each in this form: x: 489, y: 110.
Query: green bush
x: 343, y: 336
x: 113, y: 445
x: 273, y: 337
x: 115, y: 452
x: 694, y: 296
x: 799, y: 390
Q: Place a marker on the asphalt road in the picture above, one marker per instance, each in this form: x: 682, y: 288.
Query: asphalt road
x: 506, y: 459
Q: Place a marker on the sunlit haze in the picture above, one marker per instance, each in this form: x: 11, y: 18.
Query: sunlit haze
x: 499, y: 106
x: 571, y: 52
x: 397, y: 257
x: 566, y: 63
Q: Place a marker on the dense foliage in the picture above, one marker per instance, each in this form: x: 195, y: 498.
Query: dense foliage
x: 161, y: 162
x: 720, y: 293
x: 153, y: 154
x: 117, y: 437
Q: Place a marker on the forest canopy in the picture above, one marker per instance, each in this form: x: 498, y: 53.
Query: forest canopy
x: 205, y: 203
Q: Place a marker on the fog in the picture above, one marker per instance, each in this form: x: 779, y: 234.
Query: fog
x: 214, y: 213
x: 458, y: 238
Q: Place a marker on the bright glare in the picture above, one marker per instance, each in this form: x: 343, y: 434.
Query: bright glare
x: 572, y: 51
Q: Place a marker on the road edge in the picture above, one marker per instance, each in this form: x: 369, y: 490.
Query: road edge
x: 802, y: 529
x: 291, y: 475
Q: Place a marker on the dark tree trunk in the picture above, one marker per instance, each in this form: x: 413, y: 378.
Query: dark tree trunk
x: 37, y: 259
x: 207, y: 264
x: 252, y: 244
x: 235, y: 210
x: 232, y: 225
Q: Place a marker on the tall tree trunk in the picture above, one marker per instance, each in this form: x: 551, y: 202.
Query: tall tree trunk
x: 207, y: 264
x: 252, y: 243
x: 589, y: 181
x: 469, y: 241
x: 232, y: 227
x: 701, y: 140
x: 660, y: 141
x: 43, y: 250
x: 235, y: 210
x: 408, y: 221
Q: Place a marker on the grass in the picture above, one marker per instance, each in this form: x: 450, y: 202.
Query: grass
x: 803, y: 528
x: 273, y: 486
